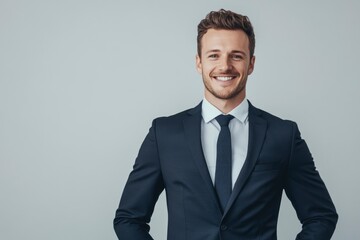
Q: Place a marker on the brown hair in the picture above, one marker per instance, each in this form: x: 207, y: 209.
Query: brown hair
x: 228, y: 20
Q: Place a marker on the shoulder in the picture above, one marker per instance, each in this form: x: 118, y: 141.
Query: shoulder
x: 273, y: 121
x: 178, y: 118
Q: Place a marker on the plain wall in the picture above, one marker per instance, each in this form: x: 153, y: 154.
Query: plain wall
x: 81, y: 81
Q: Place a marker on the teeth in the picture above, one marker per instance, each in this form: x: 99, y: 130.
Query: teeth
x: 224, y: 78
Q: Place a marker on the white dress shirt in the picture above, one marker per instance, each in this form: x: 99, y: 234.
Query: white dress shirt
x: 239, y: 130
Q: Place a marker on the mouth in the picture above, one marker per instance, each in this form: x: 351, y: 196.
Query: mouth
x: 224, y: 78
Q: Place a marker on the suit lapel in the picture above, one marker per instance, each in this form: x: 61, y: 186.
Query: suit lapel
x: 257, y: 132
x: 192, y: 128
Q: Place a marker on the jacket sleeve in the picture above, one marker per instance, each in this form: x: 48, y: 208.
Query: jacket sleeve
x: 308, y: 194
x: 141, y: 192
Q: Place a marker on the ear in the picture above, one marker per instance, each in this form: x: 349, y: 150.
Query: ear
x: 251, y: 65
x: 198, y: 64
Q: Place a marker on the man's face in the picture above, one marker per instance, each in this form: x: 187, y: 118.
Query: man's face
x: 225, y: 64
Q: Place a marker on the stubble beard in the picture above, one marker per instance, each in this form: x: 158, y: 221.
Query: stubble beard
x: 226, y: 95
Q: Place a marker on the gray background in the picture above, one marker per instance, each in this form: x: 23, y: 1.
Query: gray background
x: 71, y: 70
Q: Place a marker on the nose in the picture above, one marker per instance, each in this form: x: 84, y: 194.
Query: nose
x: 225, y: 64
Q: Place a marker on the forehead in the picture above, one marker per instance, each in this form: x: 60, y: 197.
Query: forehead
x: 225, y: 40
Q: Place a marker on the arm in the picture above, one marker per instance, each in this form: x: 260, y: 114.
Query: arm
x: 140, y: 194
x: 308, y: 194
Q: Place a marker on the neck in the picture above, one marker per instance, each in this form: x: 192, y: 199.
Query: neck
x: 225, y: 105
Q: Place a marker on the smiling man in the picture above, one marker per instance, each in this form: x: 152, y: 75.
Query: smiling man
x: 224, y: 164
x: 224, y: 61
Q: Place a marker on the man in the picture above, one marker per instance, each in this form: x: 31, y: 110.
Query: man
x: 224, y: 164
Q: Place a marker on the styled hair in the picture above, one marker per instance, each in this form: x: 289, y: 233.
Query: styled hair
x: 226, y: 20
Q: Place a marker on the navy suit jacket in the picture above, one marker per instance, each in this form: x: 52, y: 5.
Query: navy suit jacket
x: 171, y: 158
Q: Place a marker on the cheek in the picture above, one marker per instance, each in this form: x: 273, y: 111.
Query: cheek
x: 208, y: 69
x: 243, y: 69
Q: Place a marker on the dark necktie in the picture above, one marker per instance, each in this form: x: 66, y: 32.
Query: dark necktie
x: 223, y: 182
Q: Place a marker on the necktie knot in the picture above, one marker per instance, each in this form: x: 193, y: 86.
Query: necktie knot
x: 224, y: 120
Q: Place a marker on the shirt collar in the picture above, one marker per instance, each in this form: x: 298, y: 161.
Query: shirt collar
x: 209, y: 111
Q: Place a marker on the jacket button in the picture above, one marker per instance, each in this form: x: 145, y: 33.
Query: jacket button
x: 223, y: 227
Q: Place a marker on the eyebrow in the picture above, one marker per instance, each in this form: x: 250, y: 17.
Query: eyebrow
x: 238, y: 51
x: 217, y: 50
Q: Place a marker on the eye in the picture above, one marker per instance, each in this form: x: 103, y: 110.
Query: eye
x: 237, y: 57
x: 213, y: 56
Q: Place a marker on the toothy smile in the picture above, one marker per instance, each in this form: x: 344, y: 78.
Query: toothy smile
x: 224, y: 78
